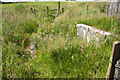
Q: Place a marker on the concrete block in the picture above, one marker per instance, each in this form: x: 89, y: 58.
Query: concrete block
x: 88, y: 33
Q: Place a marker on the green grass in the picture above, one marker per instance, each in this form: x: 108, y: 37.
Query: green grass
x: 59, y: 53
x: 0, y: 41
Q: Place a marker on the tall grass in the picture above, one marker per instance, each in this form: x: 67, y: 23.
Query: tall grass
x: 59, y: 53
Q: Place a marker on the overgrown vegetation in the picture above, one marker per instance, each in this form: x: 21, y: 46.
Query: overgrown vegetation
x: 59, y: 53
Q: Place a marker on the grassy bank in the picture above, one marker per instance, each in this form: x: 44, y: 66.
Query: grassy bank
x: 58, y: 51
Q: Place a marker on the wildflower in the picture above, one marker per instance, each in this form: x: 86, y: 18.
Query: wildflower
x: 2, y: 38
x: 26, y: 63
x: 72, y: 57
x: 65, y: 48
x: 28, y: 67
x: 38, y: 36
x: 26, y: 20
x: 9, y: 64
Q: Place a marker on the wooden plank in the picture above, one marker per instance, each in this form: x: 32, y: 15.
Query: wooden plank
x: 53, y: 9
x: 115, y: 56
x: 112, y: 8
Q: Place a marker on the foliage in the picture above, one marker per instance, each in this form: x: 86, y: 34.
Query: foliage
x: 59, y: 53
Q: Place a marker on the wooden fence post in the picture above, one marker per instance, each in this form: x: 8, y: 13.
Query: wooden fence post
x: 31, y: 9
x: 118, y: 14
x: 62, y: 10
x: 118, y: 3
x: 115, y: 56
x: 107, y: 12
x: 113, y: 7
x: 47, y: 11
x: 87, y: 7
x: 34, y: 11
x: 58, y: 8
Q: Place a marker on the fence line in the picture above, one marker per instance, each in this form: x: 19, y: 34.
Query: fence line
x: 54, y: 10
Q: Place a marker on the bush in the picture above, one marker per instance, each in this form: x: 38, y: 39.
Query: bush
x: 30, y: 27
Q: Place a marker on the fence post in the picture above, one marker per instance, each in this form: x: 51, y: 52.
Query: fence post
x: 62, y: 10
x: 58, y: 8
x: 115, y: 56
x: 47, y: 11
x: 31, y: 9
x: 87, y: 7
x: 119, y: 22
x: 119, y: 14
x: 34, y: 11
x: 117, y: 8
x: 107, y: 12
